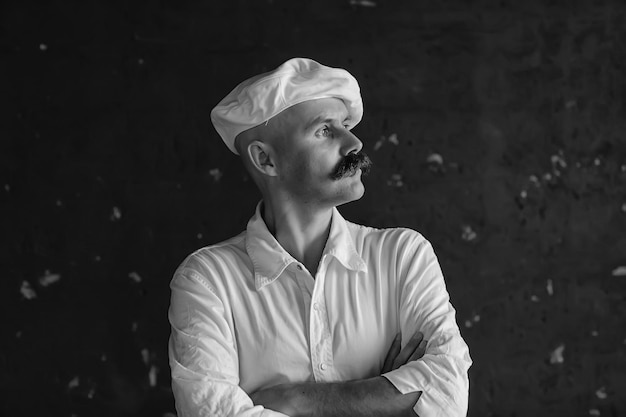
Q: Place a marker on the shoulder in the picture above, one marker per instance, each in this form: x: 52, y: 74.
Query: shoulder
x: 219, y: 259
x: 391, y: 237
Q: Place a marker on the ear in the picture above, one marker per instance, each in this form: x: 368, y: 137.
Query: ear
x: 262, y: 158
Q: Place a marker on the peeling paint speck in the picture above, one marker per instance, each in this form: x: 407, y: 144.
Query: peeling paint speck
x: 393, y: 138
x: 556, y: 356
x: 435, y: 158
x: 75, y: 382
x: 48, y: 278
x: 558, y: 160
x: 216, y: 173
x: 135, y: 277
x: 27, y: 291
x: 116, y: 214
x: 468, y: 234
x: 620, y: 271
x: 152, y: 375
x: 379, y: 143
x: 395, y: 181
x: 363, y: 3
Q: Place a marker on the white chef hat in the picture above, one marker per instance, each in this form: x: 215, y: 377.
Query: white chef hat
x: 258, y: 99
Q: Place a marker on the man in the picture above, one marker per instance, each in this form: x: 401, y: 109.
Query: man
x: 305, y: 313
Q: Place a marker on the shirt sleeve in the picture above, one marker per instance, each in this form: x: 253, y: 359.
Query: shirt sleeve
x: 424, y: 305
x: 202, y: 353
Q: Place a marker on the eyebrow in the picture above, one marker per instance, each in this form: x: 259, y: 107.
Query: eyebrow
x: 323, y: 118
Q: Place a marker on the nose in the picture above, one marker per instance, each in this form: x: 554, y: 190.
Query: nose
x: 351, y: 143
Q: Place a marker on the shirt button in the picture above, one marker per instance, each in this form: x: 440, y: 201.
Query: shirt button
x: 323, y: 366
x: 316, y: 307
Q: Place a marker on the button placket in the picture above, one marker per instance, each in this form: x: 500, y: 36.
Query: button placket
x: 316, y: 341
x: 306, y: 290
x: 321, y: 340
x: 326, y: 345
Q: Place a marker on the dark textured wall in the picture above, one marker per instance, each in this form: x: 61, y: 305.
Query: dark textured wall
x: 497, y: 129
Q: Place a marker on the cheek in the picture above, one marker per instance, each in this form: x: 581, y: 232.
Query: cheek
x: 304, y: 167
x: 307, y: 168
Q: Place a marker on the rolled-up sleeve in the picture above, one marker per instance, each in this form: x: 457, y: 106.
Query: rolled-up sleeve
x: 202, y: 353
x: 424, y: 305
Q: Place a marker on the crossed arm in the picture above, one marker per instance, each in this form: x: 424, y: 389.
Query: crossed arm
x: 368, y: 397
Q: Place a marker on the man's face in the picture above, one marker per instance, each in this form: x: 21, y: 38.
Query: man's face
x: 315, y: 143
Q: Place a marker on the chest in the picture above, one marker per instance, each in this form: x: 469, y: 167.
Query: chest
x: 337, y: 327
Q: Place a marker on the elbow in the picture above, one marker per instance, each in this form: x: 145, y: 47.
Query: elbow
x: 459, y: 398
x: 453, y: 387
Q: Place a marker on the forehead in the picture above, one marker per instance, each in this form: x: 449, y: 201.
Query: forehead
x: 324, y: 108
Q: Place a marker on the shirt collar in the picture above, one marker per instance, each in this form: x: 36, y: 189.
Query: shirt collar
x: 270, y: 259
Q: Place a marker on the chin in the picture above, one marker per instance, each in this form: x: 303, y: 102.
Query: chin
x: 353, y: 193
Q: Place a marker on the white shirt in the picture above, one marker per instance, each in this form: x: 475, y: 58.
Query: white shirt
x: 246, y: 315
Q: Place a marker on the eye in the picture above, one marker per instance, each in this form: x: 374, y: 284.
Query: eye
x: 325, y: 131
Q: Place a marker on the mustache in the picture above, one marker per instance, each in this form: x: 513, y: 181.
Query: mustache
x: 349, y: 165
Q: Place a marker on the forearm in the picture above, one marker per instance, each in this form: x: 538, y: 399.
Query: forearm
x: 363, y: 398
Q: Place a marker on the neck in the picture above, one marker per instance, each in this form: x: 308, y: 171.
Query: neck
x: 301, y: 229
